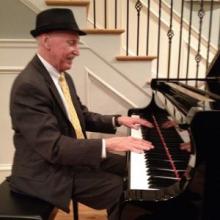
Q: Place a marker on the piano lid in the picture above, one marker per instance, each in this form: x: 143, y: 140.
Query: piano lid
x: 213, y: 75
x: 183, y: 92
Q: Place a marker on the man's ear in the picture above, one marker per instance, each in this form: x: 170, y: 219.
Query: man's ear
x: 47, y: 41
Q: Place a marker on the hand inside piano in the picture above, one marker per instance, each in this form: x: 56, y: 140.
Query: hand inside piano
x: 183, y: 146
x: 169, y: 124
x: 124, y: 144
x: 186, y: 146
x: 134, y: 122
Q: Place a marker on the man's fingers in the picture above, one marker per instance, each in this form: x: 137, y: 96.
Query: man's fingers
x: 140, y: 144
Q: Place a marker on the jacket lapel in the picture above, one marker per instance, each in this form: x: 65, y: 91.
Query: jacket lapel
x: 42, y: 70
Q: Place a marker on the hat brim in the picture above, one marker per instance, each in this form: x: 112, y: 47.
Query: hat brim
x: 37, y: 32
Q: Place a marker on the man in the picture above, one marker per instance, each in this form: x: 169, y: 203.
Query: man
x: 53, y: 159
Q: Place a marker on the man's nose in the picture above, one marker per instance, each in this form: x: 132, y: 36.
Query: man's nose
x: 76, y: 51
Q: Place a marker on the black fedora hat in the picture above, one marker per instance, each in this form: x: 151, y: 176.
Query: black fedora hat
x: 56, y: 19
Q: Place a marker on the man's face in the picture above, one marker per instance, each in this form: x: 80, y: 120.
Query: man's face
x: 62, y: 48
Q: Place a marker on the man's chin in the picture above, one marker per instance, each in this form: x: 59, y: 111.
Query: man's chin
x: 67, y: 67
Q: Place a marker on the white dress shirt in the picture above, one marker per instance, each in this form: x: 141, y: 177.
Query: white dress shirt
x: 54, y: 74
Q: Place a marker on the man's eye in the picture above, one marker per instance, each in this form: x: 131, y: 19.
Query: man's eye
x: 72, y: 43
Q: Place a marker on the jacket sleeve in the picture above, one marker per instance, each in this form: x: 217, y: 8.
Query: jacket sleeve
x: 37, y: 129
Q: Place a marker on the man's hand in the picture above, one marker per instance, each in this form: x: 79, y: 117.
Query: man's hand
x: 186, y: 146
x: 133, y: 122
x: 124, y: 144
x: 169, y: 124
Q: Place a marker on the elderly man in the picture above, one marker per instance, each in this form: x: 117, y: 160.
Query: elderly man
x: 54, y: 160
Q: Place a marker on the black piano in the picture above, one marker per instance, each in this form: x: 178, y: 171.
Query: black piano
x: 169, y: 182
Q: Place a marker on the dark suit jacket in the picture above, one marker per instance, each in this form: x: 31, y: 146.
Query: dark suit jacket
x: 47, y: 154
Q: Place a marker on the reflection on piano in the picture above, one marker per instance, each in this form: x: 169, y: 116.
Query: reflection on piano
x: 166, y: 180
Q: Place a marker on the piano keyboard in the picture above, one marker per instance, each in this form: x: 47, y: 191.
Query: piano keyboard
x: 138, y: 171
x: 153, y: 169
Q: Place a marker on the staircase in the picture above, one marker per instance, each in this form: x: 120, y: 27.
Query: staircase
x: 101, y: 73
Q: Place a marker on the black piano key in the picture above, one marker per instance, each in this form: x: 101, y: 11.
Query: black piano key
x: 170, y: 135
x: 181, y: 172
x: 160, y: 182
x: 156, y: 155
x: 172, y: 150
x: 159, y: 163
x: 179, y: 164
x: 163, y: 156
x: 162, y: 172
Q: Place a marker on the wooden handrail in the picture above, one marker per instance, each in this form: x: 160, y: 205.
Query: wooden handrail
x: 135, y: 58
x: 68, y: 2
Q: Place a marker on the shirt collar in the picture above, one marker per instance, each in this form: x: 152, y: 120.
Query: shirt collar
x: 52, y: 71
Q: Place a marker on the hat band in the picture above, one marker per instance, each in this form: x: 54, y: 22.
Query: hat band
x: 57, y: 27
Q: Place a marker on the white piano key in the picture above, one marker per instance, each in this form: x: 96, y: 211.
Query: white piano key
x: 138, y: 172
x: 138, y: 169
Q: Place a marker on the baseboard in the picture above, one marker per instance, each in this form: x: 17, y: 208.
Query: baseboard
x: 5, y: 170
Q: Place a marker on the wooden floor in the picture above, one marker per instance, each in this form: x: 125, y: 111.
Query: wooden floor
x: 85, y: 213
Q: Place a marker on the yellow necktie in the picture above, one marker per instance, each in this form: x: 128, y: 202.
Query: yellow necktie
x: 70, y: 107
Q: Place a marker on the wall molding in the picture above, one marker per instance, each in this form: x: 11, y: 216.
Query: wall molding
x: 5, y: 167
x: 22, y: 43
x: 95, y: 77
x: 10, y: 69
x: 5, y: 171
x: 30, y: 5
x: 18, y: 43
x: 143, y: 91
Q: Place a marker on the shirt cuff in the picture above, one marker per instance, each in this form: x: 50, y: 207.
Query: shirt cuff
x: 103, y: 149
x: 115, y: 121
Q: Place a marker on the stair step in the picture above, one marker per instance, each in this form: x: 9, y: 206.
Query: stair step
x: 104, y: 31
x: 68, y: 2
x: 135, y: 58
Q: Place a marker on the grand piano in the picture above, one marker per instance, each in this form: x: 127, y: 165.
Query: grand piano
x: 168, y: 182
